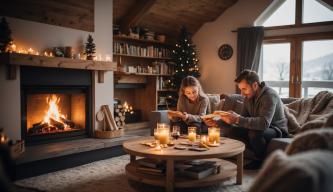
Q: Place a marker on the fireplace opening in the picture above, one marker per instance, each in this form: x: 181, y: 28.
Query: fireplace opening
x: 55, y: 113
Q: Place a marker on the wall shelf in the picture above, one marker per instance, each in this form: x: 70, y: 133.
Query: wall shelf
x: 16, y: 59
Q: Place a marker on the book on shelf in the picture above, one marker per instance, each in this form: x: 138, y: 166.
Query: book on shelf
x: 201, y: 171
x: 151, y: 163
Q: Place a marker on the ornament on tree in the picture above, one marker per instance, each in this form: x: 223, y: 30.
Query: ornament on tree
x: 90, y: 48
x: 185, y: 58
x: 5, y: 35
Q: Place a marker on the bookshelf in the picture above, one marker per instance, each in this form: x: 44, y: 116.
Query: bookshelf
x: 146, y: 64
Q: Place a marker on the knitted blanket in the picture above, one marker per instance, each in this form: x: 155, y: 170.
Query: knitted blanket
x: 309, y: 113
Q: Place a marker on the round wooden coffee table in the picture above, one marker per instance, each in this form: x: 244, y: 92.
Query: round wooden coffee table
x: 228, y: 148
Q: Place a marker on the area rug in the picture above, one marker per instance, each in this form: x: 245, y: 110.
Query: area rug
x: 109, y: 175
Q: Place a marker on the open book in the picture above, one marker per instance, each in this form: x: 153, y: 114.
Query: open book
x: 175, y: 114
x: 221, y: 113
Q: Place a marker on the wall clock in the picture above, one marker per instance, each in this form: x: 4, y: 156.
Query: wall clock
x: 225, y: 52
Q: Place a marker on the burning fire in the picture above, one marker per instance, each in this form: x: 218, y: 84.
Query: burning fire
x: 53, y: 110
x: 53, y: 114
x: 128, y: 108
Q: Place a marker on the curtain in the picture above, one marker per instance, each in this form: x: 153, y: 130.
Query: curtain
x: 249, y: 43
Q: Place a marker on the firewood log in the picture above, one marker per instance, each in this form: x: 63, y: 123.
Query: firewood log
x: 56, y: 123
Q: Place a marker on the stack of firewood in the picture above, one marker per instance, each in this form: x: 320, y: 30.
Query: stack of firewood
x: 110, y: 128
x: 119, y: 115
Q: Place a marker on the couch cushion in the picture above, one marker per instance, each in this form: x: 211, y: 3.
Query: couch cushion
x: 278, y: 143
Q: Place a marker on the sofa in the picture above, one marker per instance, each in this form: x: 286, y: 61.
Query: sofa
x: 322, y: 103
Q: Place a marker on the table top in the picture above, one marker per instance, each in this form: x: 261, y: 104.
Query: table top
x: 227, y: 148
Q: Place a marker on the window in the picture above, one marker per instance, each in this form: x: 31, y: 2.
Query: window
x: 283, y: 15
x: 317, y: 67
x: 275, y: 66
x: 316, y: 11
x: 297, y: 65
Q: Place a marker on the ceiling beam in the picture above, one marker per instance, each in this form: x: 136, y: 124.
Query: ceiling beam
x: 135, y: 13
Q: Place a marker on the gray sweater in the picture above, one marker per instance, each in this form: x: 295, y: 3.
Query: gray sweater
x: 264, y: 111
x: 194, y: 110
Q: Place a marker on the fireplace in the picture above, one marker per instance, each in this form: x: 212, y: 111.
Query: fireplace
x: 57, y: 108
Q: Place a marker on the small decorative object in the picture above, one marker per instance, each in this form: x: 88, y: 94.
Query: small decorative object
x: 68, y: 53
x: 213, y: 136
x: 160, y: 38
x: 192, y: 134
x: 90, y: 49
x: 225, y: 52
x: 58, y: 51
x: 5, y: 36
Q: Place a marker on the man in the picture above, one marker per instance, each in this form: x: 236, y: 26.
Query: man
x: 262, y: 116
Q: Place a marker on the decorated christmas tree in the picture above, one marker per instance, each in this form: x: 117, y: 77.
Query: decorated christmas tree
x: 5, y: 35
x: 90, y: 48
x: 185, y: 57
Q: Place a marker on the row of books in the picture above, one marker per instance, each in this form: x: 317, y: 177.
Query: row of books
x: 134, y: 50
x: 197, y: 169
x: 161, y: 68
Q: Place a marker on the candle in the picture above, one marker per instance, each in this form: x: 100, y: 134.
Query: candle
x: 30, y: 51
x: 107, y: 58
x: 46, y: 54
x: 214, y: 135
x: 203, y: 139
x: 13, y: 47
x: 164, y: 135
x: 192, y: 134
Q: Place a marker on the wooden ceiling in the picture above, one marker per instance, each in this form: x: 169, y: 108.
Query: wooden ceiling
x: 167, y: 16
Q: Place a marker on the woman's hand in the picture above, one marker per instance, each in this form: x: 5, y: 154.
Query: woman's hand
x: 210, y: 122
x: 175, y: 114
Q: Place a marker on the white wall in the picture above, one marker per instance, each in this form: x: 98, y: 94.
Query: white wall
x: 218, y: 75
x: 40, y: 36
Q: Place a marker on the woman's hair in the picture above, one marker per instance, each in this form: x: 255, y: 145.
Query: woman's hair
x: 191, y: 81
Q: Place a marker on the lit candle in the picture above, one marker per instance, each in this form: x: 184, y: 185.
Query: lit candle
x: 46, y: 54
x: 192, y: 134
x: 99, y: 57
x: 37, y: 53
x: 214, y: 135
x: 158, y: 148
x: 203, y: 139
x: 163, y: 135
x: 107, y: 58
x: 30, y: 51
x: 13, y: 47
x: 51, y: 54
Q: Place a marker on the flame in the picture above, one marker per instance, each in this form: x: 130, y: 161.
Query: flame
x: 53, y: 110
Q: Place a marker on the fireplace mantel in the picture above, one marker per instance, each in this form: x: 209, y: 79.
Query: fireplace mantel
x: 16, y: 59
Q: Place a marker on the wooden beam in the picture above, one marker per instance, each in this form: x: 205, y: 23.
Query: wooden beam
x: 135, y: 13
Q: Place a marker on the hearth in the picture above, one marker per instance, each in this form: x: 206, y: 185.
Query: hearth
x: 57, y: 108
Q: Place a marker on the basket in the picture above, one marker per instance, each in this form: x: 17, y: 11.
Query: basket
x: 108, y: 134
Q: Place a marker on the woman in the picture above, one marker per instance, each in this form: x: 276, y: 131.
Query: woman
x: 192, y: 103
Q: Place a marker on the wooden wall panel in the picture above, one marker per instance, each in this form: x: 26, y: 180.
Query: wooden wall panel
x: 65, y: 13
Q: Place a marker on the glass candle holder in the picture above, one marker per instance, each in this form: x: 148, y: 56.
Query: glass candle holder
x: 192, y: 134
x: 164, y: 135
x: 214, y: 135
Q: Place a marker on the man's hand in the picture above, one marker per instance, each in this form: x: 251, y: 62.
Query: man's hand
x: 210, y: 122
x: 230, y: 118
